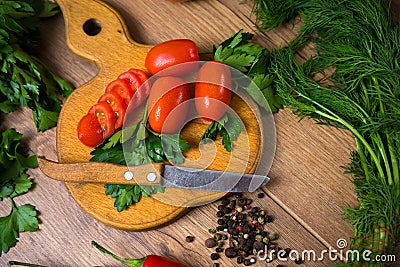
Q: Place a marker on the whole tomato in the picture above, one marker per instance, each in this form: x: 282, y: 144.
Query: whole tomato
x: 172, y: 53
x: 212, y: 90
x: 166, y: 94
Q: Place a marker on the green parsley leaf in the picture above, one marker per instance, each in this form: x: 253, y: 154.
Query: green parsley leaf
x: 137, y: 145
x: 21, y: 219
x: 253, y: 60
x: 228, y: 127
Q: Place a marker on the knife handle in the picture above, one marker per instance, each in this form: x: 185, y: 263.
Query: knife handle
x: 100, y: 172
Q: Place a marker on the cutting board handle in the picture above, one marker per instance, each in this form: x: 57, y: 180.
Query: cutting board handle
x: 96, y: 32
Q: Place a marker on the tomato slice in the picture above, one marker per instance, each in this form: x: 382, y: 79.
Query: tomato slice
x: 90, y: 132
x: 106, y: 117
x: 118, y: 105
x: 133, y: 80
x: 122, y: 88
x: 143, y: 91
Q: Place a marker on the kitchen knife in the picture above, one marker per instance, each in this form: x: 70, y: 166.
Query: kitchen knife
x: 152, y: 174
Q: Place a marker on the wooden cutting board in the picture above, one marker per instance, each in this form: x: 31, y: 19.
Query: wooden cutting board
x: 96, y: 32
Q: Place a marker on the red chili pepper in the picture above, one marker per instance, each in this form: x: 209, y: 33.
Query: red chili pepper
x: 148, y: 261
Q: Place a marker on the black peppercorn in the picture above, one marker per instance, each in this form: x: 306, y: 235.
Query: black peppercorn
x: 225, y: 201
x: 210, y: 242
x: 268, y: 218
x: 247, y: 262
x: 220, y: 213
x: 260, y: 195
x: 230, y: 252
x: 214, y: 256
x: 220, y: 228
x: 189, y: 238
x: 240, y: 259
x: 220, y: 221
x: 219, y: 249
x: 241, y: 202
x: 298, y: 261
x: 220, y: 207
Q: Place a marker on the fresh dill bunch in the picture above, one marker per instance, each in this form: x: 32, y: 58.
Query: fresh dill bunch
x: 359, y: 41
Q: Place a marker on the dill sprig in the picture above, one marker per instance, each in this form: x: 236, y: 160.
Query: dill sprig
x: 360, y: 41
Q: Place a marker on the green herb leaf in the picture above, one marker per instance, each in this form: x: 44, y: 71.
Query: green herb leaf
x: 228, y: 127
x: 21, y: 219
x: 240, y: 53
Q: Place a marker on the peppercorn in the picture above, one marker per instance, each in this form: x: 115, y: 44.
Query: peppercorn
x: 220, y: 228
x: 227, y: 210
x: 258, y: 245
x: 220, y: 214
x: 225, y: 201
x: 273, y: 236
x: 241, y: 202
x: 217, y: 236
x: 240, y: 259
x: 219, y: 249
x: 189, y: 238
x: 210, y: 242
x: 260, y: 195
x: 247, y: 262
x: 230, y: 252
x: 268, y: 218
x: 298, y: 261
x: 214, y: 256
x: 221, y: 207
x: 212, y: 231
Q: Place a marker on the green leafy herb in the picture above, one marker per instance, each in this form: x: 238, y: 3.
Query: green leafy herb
x: 21, y: 219
x: 137, y: 145
x: 14, y: 181
x: 253, y: 60
x: 228, y: 127
x: 359, y: 40
x: 23, y: 78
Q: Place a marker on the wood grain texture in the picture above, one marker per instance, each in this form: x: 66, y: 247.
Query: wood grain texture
x: 305, y: 194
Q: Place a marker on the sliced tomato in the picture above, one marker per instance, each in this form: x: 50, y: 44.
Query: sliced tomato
x: 118, y: 105
x: 90, y: 132
x: 106, y: 117
x: 134, y: 81
x: 144, y: 90
x: 122, y: 88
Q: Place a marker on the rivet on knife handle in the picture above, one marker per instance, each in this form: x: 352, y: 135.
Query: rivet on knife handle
x: 100, y: 172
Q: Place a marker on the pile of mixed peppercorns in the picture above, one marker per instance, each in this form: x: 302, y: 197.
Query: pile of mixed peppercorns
x: 240, y: 232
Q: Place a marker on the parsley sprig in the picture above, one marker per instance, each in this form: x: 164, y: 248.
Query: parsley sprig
x: 137, y: 145
x: 24, y: 81
x: 251, y: 59
x: 14, y: 181
x: 228, y: 127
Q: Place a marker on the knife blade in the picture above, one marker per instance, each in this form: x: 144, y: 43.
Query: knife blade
x: 152, y: 174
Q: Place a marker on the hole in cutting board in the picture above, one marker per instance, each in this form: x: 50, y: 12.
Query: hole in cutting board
x: 92, y: 27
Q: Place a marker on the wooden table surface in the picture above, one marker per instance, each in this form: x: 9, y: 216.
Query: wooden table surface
x: 305, y: 196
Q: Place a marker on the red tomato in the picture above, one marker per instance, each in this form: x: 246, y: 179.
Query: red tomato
x: 167, y: 93
x: 90, y: 132
x: 106, y: 117
x: 171, y: 53
x: 212, y: 91
x: 140, y: 95
x: 133, y: 80
x: 121, y: 87
x: 117, y: 104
